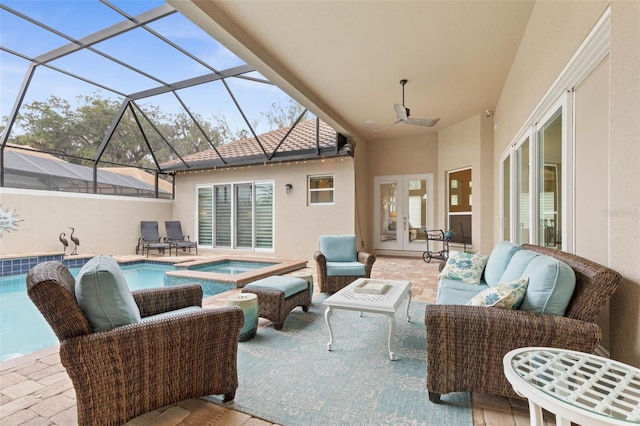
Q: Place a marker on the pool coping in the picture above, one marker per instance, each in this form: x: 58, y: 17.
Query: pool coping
x: 282, y: 266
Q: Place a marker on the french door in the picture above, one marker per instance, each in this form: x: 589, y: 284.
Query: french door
x: 403, y: 210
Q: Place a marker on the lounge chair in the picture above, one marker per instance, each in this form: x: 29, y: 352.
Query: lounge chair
x: 165, y: 358
x: 339, y: 263
x: 150, y: 238
x: 176, y: 238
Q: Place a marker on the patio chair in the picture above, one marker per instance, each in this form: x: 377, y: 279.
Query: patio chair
x: 176, y: 238
x: 121, y: 373
x: 339, y: 263
x: 150, y: 238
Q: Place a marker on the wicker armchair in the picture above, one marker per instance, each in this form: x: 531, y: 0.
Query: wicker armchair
x: 130, y: 370
x: 466, y: 344
x: 332, y: 283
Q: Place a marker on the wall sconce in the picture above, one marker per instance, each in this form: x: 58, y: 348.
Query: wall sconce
x: 288, y: 187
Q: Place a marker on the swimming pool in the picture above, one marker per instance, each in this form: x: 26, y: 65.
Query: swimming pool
x: 23, y: 329
x: 230, y: 266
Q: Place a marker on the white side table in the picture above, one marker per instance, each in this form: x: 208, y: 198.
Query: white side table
x: 575, y: 386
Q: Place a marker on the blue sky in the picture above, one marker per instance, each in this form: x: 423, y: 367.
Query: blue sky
x: 138, y: 48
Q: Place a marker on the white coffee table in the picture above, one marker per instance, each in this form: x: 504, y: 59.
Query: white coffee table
x: 575, y: 386
x: 387, y: 304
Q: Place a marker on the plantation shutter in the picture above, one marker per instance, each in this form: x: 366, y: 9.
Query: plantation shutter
x: 244, y: 216
x: 223, y: 215
x: 205, y: 216
x: 415, y: 211
x: 264, y: 215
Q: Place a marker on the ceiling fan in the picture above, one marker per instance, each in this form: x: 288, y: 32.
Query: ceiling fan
x: 403, y: 114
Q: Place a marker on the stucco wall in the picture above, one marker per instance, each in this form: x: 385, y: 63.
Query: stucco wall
x: 297, y: 224
x: 104, y: 224
x: 401, y: 156
x: 554, y: 33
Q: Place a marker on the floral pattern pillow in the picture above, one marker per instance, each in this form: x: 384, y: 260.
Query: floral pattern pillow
x: 506, y: 296
x: 466, y: 267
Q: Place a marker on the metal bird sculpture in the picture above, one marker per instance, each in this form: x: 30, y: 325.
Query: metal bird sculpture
x: 65, y: 243
x: 75, y: 241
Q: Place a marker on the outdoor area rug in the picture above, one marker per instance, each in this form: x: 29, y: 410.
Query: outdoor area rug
x: 289, y: 377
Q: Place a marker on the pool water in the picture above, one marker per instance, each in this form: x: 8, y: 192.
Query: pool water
x: 23, y: 329
x: 230, y: 266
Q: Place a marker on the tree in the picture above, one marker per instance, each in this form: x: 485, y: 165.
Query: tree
x: 280, y: 116
x: 77, y: 132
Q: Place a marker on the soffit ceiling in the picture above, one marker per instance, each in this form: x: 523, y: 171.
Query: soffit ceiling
x: 344, y: 59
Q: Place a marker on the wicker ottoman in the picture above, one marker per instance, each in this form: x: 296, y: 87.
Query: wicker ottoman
x: 277, y: 296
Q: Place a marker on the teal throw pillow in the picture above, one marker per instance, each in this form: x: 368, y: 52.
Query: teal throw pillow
x: 465, y: 267
x: 506, y: 296
x: 517, y: 265
x: 498, y: 261
x: 551, y: 285
x: 104, y: 296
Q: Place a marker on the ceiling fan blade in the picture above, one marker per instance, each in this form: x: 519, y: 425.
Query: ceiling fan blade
x: 387, y: 127
x: 425, y: 122
x: 401, y: 111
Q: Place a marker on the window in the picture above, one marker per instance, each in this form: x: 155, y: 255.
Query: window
x: 236, y: 215
x: 459, y: 205
x: 506, y: 198
x: 538, y: 162
x: 321, y: 189
x: 539, y: 197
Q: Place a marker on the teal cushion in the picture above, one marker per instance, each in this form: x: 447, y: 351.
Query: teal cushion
x: 345, y: 269
x: 169, y: 314
x: 104, y: 296
x: 339, y: 248
x: 551, y: 285
x: 517, y: 265
x: 288, y: 285
x: 446, y: 283
x: 465, y: 267
x: 458, y: 294
x: 506, y: 296
x: 498, y: 261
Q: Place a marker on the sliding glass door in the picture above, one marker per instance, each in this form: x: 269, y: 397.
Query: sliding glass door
x: 236, y: 215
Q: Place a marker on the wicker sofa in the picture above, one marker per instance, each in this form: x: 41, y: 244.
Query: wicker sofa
x: 466, y: 344
x: 133, y: 369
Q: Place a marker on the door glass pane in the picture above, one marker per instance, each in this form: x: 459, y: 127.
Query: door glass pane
x: 388, y: 211
x: 205, y: 216
x: 550, y: 184
x: 264, y: 215
x: 223, y: 215
x: 244, y: 216
x: 417, y: 223
x: 506, y: 202
x: 522, y: 182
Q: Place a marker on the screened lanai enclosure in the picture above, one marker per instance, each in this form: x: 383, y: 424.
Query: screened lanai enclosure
x: 115, y: 97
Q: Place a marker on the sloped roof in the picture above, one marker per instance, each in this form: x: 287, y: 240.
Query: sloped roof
x: 307, y: 137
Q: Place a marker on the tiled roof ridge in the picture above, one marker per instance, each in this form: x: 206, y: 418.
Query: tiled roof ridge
x: 301, y: 138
